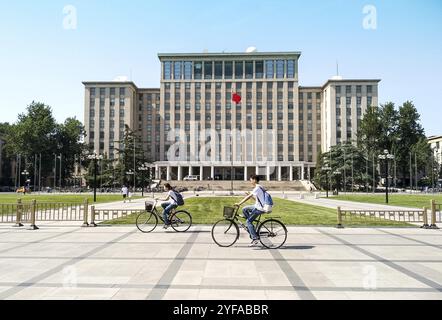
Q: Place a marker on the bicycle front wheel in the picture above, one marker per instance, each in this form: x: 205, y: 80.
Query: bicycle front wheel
x: 181, y: 221
x: 272, y: 234
x: 225, y: 233
x: 146, y: 222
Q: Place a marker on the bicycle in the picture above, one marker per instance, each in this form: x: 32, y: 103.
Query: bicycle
x: 147, y: 221
x: 272, y: 233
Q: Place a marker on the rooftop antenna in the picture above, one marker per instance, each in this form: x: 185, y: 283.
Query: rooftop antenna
x: 337, y: 68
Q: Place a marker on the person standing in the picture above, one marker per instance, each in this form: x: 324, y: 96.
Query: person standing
x: 125, y: 192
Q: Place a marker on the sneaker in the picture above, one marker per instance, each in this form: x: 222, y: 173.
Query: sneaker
x: 254, y: 243
x: 166, y: 226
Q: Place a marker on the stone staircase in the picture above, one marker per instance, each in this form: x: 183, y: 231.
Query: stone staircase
x: 238, y: 185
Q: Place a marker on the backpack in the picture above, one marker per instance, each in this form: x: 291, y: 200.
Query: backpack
x: 179, y: 198
x: 268, y: 201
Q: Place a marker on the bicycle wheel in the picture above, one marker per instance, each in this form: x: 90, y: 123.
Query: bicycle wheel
x: 225, y: 233
x: 272, y: 234
x: 181, y: 221
x: 146, y: 222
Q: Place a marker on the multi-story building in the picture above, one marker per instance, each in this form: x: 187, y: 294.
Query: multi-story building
x: 191, y: 126
x: 436, y: 145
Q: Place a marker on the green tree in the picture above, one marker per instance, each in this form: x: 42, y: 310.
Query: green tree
x: 352, y: 164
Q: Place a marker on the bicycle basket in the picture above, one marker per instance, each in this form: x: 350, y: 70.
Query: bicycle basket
x: 149, y: 206
x: 229, y: 212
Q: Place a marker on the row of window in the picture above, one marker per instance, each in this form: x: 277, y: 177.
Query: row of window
x: 102, y: 91
x: 188, y: 70
x: 358, y: 101
x: 348, y: 89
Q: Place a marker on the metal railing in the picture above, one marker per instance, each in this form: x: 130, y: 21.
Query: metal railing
x: 408, y: 216
x: 100, y: 215
x: 31, y: 212
x: 436, y: 214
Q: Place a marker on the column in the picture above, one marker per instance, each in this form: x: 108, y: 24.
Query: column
x: 245, y: 173
x: 291, y: 173
x: 212, y: 172
x: 302, y: 172
x: 168, y: 178
x: 279, y: 173
x: 201, y: 173
x: 308, y: 173
x: 180, y: 173
x: 157, y: 172
x: 190, y: 171
x: 268, y: 173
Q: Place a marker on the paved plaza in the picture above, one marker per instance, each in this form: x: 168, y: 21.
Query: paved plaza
x: 64, y: 261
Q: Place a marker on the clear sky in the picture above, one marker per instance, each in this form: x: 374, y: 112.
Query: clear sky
x: 41, y: 60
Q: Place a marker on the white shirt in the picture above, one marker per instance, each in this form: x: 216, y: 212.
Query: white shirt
x: 172, y: 197
x: 258, y: 193
x: 125, y: 191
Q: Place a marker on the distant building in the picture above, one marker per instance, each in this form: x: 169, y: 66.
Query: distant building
x: 190, y: 126
x: 436, y: 145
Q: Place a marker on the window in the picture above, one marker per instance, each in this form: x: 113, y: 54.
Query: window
x: 338, y: 101
x: 167, y: 70
x: 177, y: 71
x: 290, y: 68
x: 208, y: 72
x: 239, y: 70
x: 259, y: 69
x: 249, y: 69
x: 270, y: 69
x: 358, y: 101
x: 369, y: 101
x: 188, y: 70
x: 348, y: 101
x: 218, y: 70
x: 338, y: 89
x: 198, y: 70
x: 358, y: 89
x: 228, y: 69
x: 92, y: 92
x: 348, y: 89
x: 280, y: 69
x: 369, y: 89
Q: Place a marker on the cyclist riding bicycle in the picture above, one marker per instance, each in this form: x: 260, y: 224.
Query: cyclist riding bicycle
x: 173, y: 200
x: 251, y: 213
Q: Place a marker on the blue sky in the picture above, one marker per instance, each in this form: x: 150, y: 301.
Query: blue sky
x: 42, y: 61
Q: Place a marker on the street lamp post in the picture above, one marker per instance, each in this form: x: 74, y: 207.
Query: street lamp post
x: 386, y: 156
x: 143, y: 168
x: 326, y: 169
x: 131, y: 173
x: 337, y: 173
x: 25, y: 173
x: 95, y: 157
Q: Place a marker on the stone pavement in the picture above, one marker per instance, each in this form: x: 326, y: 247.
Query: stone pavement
x: 63, y: 261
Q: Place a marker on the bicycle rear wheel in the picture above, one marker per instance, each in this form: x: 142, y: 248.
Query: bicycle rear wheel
x: 146, y: 222
x: 225, y: 233
x: 181, y: 221
x: 272, y: 234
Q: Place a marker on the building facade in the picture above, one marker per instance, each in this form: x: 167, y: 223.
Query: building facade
x: 436, y: 145
x: 190, y: 126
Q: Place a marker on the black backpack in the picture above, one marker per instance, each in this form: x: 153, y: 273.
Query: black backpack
x: 179, y: 198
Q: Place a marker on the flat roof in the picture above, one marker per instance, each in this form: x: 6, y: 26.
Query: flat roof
x: 434, y: 138
x: 350, y: 80
x: 120, y: 83
x: 229, y: 54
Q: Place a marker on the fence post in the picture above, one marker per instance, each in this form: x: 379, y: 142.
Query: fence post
x: 85, y: 212
x: 339, y: 226
x: 425, y: 216
x: 433, y: 215
x: 33, y: 213
x: 92, y: 224
x: 19, y: 212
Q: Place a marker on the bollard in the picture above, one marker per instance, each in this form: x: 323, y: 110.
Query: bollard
x: 92, y: 224
x: 33, y: 212
x: 301, y: 196
x: 433, y: 215
x: 85, y: 213
x: 425, y: 216
x: 19, y: 212
x: 339, y: 226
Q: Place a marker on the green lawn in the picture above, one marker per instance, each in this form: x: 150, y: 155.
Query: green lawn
x: 48, y: 198
x: 210, y: 210
x: 412, y: 201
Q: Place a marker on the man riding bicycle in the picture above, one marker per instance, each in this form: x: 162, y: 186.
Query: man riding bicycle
x: 251, y: 213
x: 170, y: 203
